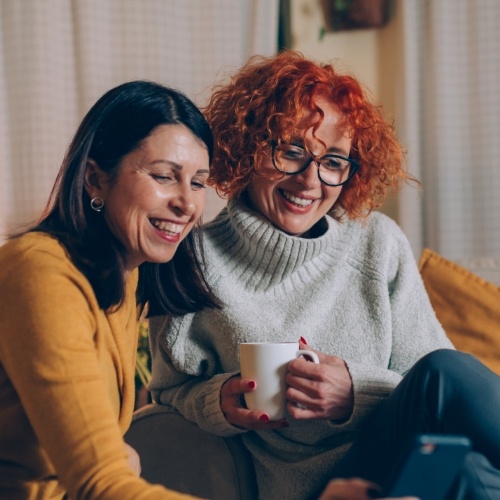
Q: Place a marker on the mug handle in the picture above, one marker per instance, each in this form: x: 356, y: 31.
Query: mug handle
x: 309, y: 355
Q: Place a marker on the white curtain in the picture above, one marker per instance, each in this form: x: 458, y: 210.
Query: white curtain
x: 57, y: 57
x: 450, y: 120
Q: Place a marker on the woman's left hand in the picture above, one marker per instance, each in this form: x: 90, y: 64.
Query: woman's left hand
x: 352, y: 489
x: 321, y: 390
x: 348, y: 489
x: 133, y: 459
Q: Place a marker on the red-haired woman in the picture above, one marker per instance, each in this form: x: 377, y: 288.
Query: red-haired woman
x: 299, y: 253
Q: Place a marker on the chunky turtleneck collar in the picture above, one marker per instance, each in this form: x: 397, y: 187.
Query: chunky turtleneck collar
x: 263, y: 255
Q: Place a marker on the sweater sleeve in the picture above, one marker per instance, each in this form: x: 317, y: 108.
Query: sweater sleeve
x: 195, y: 396
x: 48, y: 352
x: 416, y: 330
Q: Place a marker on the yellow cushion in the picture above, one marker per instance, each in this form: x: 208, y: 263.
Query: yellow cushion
x: 467, y: 306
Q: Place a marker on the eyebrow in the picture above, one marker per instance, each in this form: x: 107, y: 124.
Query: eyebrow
x: 334, y: 150
x: 177, y: 166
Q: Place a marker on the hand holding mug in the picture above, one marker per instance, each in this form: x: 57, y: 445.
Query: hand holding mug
x: 234, y: 408
x: 322, y: 391
x: 266, y: 363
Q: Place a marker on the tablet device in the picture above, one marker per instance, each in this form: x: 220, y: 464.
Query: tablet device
x: 428, y: 466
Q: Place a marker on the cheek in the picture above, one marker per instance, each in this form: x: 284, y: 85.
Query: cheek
x: 331, y: 195
x: 200, y: 199
x: 262, y: 189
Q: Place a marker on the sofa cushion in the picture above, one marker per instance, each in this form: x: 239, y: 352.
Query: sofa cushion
x: 467, y: 306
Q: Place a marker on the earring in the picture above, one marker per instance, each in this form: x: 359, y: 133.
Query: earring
x: 97, y: 204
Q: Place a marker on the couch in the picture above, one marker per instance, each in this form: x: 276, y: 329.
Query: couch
x: 178, y: 454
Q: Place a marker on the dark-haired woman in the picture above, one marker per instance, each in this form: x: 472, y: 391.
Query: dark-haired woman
x: 299, y: 253
x: 119, y: 232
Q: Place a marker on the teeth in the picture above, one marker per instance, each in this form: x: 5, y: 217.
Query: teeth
x: 167, y: 227
x: 295, y: 199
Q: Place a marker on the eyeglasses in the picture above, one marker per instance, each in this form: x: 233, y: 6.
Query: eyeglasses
x: 333, y: 170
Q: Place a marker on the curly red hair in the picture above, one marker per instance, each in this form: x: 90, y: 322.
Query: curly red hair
x: 266, y: 101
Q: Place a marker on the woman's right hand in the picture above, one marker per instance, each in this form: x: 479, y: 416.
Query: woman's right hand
x: 233, y: 406
x: 352, y: 489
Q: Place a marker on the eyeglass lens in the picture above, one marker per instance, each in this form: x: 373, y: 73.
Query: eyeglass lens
x: 333, y: 169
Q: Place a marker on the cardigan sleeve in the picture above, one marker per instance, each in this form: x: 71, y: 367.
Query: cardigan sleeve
x: 48, y: 352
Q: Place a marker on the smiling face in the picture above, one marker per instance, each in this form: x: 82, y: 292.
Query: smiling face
x: 296, y: 203
x: 157, y: 195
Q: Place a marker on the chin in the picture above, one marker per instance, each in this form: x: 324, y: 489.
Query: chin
x: 293, y: 229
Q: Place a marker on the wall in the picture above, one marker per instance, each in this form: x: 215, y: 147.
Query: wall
x: 372, y: 55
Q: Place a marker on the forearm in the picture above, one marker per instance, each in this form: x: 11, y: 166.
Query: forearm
x: 196, y: 395
x: 198, y: 400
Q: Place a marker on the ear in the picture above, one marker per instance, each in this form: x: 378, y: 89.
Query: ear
x: 94, y: 179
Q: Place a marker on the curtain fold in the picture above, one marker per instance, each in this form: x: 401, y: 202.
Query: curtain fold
x: 450, y: 109
x: 57, y: 57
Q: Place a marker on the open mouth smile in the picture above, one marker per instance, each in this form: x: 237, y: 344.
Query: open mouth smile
x: 166, y: 227
x: 296, y: 200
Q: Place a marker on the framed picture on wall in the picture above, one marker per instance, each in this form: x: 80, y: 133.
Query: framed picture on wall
x: 355, y: 14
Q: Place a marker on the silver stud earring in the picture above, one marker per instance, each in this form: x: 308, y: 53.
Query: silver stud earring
x: 97, y: 204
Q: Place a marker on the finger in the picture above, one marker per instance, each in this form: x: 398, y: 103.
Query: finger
x: 236, y: 385
x: 254, y: 420
x: 232, y: 400
x: 303, y: 368
x: 300, y: 411
x: 346, y: 489
x: 303, y: 346
x: 232, y: 403
x: 232, y: 394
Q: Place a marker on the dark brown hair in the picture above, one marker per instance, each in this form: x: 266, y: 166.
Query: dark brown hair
x: 115, y: 126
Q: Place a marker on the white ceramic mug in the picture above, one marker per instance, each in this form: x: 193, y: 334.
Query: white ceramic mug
x: 267, y: 364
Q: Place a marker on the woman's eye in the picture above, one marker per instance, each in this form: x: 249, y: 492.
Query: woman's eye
x: 198, y: 185
x: 294, y: 153
x: 332, y: 163
x: 163, y: 177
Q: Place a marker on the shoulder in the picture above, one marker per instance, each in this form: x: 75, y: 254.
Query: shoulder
x: 379, y: 227
x: 34, y: 259
x: 376, y: 233
x: 32, y: 249
x: 378, y: 243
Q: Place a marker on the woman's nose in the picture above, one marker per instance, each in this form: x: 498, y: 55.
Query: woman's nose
x: 184, y: 201
x: 309, y: 177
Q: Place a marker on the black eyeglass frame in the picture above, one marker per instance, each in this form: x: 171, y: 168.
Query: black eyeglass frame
x: 354, y: 166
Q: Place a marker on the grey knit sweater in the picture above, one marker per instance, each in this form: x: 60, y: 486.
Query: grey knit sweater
x: 355, y: 291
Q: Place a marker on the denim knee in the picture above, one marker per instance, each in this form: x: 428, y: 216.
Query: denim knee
x: 447, y: 361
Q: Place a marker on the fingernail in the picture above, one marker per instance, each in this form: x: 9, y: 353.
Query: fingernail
x: 264, y: 418
x: 303, y: 340
x: 251, y: 384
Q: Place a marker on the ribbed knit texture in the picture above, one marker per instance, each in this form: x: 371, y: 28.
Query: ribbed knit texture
x: 354, y: 291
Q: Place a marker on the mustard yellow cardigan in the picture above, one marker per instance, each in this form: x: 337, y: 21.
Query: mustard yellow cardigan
x: 66, y: 380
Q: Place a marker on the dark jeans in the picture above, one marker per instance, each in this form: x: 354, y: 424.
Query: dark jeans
x: 446, y: 392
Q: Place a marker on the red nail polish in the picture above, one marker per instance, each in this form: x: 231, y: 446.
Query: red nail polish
x: 264, y: 418
x: 251, y: 384
x: 303, y: 340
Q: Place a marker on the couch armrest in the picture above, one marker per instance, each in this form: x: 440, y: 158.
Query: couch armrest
x: 178, y: 454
